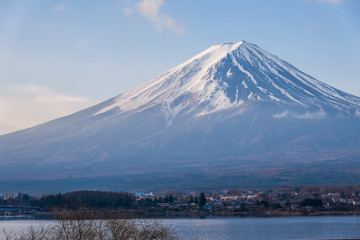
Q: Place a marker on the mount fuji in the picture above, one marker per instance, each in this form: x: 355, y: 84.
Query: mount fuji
x: 232, y: 116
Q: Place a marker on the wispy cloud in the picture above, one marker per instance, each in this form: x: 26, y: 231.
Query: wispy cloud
x: 328, y: 1
x: 59, y: 7
x: 151, y: 10
x: 313, y: 27
x: 23, y: 106
x: 128, y: 12
x: 308, y: 115
x: 281, y: 115
x: 357, y: 112
x: 312, y: 115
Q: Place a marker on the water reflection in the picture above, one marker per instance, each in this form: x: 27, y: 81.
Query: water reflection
x: 326, y: 227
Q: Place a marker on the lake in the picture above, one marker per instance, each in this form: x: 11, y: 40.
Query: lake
x: 216, y: 228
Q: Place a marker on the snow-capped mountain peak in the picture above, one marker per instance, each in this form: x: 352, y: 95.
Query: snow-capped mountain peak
x: 228, y: 75
x: 187, y: 78
x: 232, y: 114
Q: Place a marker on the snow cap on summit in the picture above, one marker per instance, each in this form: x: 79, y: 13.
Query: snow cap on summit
x: 228, y: 75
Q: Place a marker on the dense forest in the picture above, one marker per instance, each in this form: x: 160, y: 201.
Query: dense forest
x: 92, y: 200
x: 75, y: 200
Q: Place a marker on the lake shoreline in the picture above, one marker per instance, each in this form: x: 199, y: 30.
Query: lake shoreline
x: 250, y: 228
x: 187, y: 215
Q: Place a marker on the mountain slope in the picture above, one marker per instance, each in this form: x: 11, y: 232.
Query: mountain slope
x: 228, y: 75
x: 231, y: 113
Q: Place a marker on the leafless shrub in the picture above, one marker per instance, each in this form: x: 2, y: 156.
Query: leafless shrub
x: 35, y: 232
x: 8, y: 235
x: 153, y: 230
x: 121, y: 229
x: 74, y: 225
x: 83, y: 225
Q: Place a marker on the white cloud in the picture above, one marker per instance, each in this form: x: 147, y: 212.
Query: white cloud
x: 281, y: 115
x: 59, y: 7
x: 23, y: 106
x: 150, y: 9
x: 307, y: 115
x: 312, y: 115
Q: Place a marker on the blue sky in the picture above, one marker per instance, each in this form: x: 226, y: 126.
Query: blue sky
x: 57, y: 57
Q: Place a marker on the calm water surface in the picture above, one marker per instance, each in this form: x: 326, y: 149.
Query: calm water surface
x: 327, y: 227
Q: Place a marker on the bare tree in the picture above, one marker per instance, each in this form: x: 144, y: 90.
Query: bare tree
x: 74, y: 225
x: 8, y: 235
x: 99, y: 227
x: 35, y: 232
x: 83, y: 225
x: 121, y: 229
x: 153, y: 230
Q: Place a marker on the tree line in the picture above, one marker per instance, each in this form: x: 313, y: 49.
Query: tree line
x: 75, y: 200
x: 94, y: 200
x: 87, y: 199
